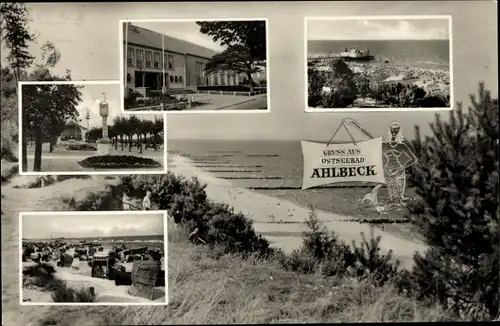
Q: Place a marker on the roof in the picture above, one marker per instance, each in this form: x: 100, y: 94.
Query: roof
x: 71, y: 124
x: 145, y: 37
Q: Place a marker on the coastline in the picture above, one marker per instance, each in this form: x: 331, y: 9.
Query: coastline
x: 281, y: 221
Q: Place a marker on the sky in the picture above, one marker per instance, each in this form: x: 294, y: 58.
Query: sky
x: 87, y: 35
x: 95, y: 225
x: 92, y: 96
x: 186, y: 31
x: 378, y: 29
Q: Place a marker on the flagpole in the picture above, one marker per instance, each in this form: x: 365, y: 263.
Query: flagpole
x: 126, y: 60
x: 164, y: 88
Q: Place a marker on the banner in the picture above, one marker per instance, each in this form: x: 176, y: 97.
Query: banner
x: 325, y: 164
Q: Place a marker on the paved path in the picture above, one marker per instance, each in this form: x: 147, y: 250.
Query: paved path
x: 220, y: 102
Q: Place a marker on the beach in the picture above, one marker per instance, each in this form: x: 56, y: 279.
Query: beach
x: 281, y: 221
x: 434, y: 80
x: 77, y: 273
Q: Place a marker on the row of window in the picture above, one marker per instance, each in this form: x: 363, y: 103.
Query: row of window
x: 135, y: 58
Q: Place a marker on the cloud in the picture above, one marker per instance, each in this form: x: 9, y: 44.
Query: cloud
x: 92, y: 226
x: 378, y: 29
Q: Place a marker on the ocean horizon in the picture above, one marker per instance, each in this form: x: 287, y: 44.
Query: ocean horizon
x: 428, y: 54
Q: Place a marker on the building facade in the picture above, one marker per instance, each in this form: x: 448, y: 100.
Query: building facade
x: 154, y: 60
x: 73, y: 131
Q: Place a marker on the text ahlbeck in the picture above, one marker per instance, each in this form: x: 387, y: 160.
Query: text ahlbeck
x: 343, y: 172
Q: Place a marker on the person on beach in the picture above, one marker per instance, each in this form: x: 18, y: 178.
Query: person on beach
x: 146, y: 202
x: 126, y: 200
x: 397, y: 158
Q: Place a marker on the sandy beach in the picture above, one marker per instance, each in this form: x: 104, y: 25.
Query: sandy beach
x: 264, y: 209
x: 78, y: 276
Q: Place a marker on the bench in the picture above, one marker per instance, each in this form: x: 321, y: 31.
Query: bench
x: 204, y: 98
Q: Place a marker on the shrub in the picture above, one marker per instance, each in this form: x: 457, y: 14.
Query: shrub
x: 81, y: 147
x: 8, y: 140
x: 40, y: 274
x: 457, y: 179
x: 322, y: 252
x: 233, y: 231
x: 369, y: 261
x: 187, y: 203
x: 118, y: 162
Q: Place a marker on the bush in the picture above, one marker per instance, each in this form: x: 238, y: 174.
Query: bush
x: 118, y: 162
x: 323, y: 253
x: 81, y: 147
x: 457, y: 179
x: 186, y: 202
x: 8, y: 141
x: 61, y: 292
x: 40, y: 274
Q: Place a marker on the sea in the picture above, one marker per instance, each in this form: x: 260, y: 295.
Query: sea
x: 428, y: 54
x: 135, y: 241
x: 274, y: 168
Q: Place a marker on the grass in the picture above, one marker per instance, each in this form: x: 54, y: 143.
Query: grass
x: 207, y: 286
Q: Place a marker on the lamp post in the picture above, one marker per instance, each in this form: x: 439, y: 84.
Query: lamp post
x: 103, y: 146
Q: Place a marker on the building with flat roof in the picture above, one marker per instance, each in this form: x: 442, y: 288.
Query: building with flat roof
x: 154, y: 60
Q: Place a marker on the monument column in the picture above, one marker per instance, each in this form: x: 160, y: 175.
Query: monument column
x: 104, y: 144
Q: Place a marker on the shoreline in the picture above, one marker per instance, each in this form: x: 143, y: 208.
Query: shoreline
x: 262, y: 208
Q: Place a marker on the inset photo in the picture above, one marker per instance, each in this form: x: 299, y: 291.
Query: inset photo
x: 77, y: 127
x: 379, y: 63
x: 88, y: 258
x: 194, y: 65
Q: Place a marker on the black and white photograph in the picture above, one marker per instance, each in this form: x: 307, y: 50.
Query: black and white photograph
x: 78, y: 127
x: 90, y: 258
x: 379, y: 63
x: 195, y: 65
x: 280, y: 216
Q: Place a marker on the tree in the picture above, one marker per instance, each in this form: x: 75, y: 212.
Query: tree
x: 145, y: 128
x: 132, y: 128
x: 340, y: 80
x: 14, y: 18
x: 45, y: 108
x: 158, y: 132
x: 315, y: 82
x: 118, y: 126
x: 246, y: 46
x: 457, y: 180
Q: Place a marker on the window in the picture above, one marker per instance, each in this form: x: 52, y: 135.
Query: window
x: 199, y: 73
x: 180, y: 78
x: 165, y: 61
x: 140, y: 58
x: 149, y: 59
x: 171, y: 78
x: 223, y: 78
x: 170, y: 62
x: 130, y: 57
x: 157, y: 60
x: 176, y: 78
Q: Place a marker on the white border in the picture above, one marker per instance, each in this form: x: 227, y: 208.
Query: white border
x: 90, y: 172
x: 221, y: 111
x: 381, y: 17
x: 69, y: 214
